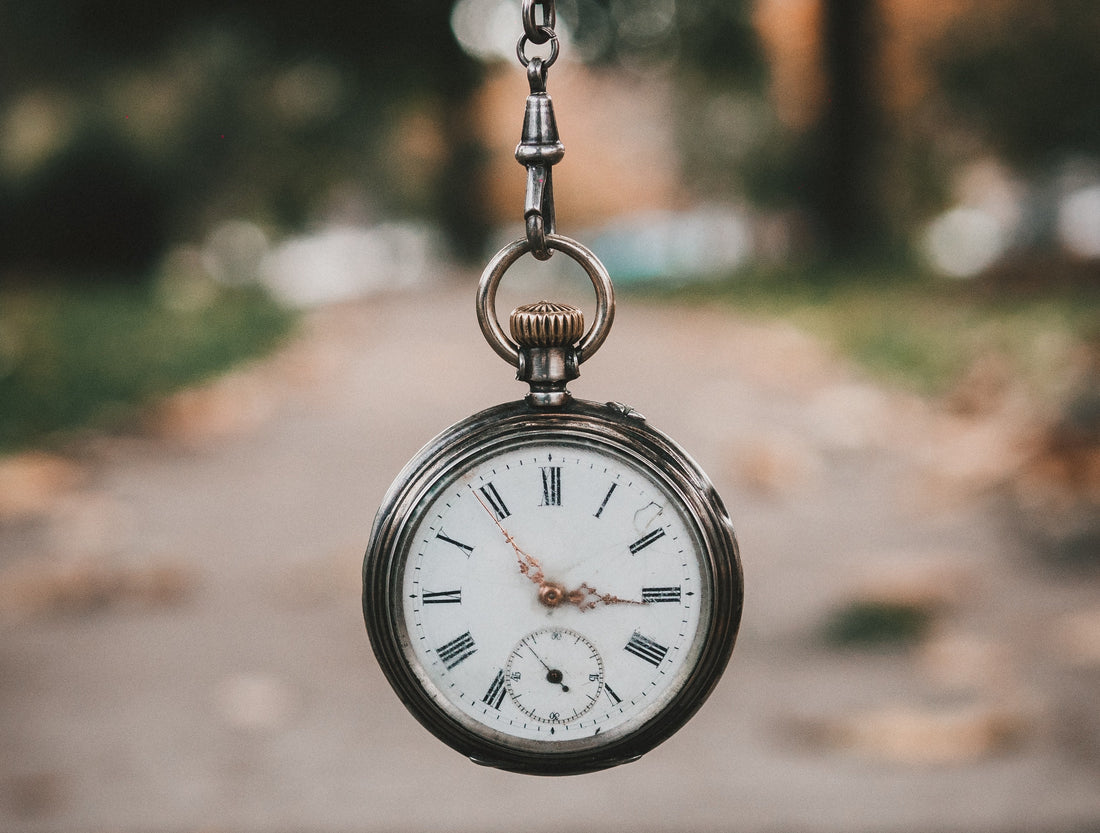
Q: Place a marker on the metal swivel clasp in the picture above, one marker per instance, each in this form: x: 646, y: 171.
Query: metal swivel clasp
x: 538, y: 150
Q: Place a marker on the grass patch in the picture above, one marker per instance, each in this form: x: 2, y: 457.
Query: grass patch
x: 919, y: 332
x: 77, y: 358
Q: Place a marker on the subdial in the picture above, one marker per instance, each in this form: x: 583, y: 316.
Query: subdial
x: 554, y: 675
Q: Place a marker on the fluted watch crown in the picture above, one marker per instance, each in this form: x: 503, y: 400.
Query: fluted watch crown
x: 546, y: 324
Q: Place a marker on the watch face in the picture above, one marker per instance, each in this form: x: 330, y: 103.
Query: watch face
x: 551, y: 594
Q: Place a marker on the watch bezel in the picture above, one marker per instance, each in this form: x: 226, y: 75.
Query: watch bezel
x: 623, y: 433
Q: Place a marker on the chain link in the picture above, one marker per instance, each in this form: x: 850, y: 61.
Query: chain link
x: 543, y: 63
x: 539, y: 33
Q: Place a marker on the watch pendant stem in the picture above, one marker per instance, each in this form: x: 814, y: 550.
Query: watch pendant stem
x: 539, y: 149
x: 546, y: 334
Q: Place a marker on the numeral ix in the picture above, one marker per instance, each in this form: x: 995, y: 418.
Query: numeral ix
x: 441, y: 597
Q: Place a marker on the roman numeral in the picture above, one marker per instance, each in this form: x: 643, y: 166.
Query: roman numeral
x: 646, y: 540
x: 458, y: 649
x: 466, y: 548
x: 611, y: 695
x: 644, y: 647
x: 551, y: 486
x: 495, y: 695
x: 443, y: 597
x: 606, y: 498
x: 495, y: 503
x: 652, y: 595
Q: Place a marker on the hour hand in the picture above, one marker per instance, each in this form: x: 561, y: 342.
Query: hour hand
x: 587, y: 597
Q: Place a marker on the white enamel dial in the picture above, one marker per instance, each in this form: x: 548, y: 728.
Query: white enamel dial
x: 553, y: 592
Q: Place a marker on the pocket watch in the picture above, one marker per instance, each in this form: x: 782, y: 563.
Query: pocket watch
x: 552, y: 586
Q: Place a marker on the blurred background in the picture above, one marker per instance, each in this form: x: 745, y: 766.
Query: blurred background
x: 827, y: 130
x: 857, y: 244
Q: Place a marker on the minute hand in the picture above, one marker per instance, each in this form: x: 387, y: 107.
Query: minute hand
x: 528, y: 565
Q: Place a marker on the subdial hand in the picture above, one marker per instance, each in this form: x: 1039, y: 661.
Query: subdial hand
x: 553, y: 675
x: 528, y: 565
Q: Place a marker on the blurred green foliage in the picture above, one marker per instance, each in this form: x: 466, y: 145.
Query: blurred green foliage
x: 919, y: 332
x: 73, y: 358
x: 1023, y: 75
x: 133, y: 126
x: 130, y: 127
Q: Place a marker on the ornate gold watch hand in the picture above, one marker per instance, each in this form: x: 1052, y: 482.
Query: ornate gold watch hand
x: 528, y: 565
x: 551, y: 593
x: 587, y: 597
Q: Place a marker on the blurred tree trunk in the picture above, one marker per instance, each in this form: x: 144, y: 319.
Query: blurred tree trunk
x: 847, y: 197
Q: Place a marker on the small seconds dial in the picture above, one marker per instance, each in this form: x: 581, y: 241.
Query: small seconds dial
x: 554, y: 675
x: 553, y: 591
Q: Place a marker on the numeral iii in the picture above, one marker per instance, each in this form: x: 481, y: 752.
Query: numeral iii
x: 652, y: 595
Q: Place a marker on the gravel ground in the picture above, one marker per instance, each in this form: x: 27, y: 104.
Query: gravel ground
x: 182, y: 648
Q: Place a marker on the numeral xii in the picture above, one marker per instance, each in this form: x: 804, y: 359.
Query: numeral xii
x: 551, y: 486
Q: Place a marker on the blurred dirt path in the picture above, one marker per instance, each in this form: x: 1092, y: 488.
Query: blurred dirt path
x: 182, y: 648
